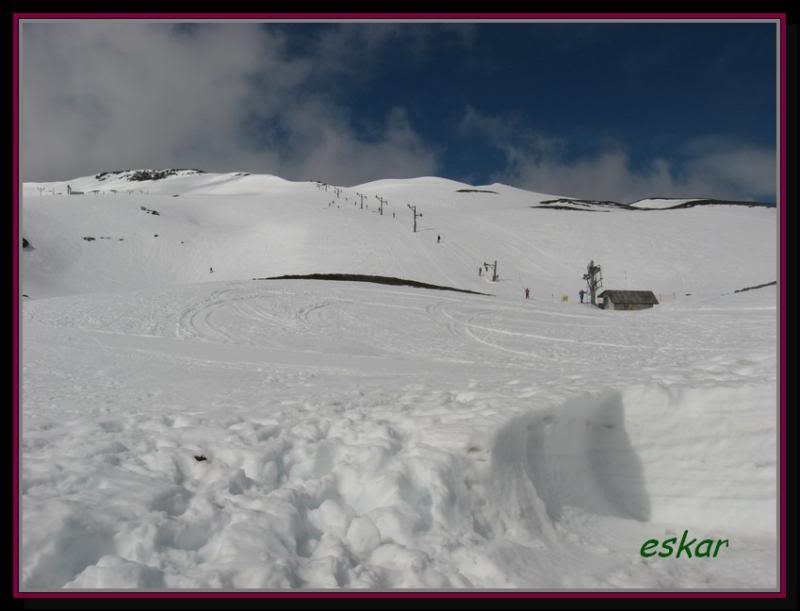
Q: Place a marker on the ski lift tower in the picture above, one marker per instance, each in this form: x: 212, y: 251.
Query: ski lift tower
x: 594, y: 280
x: 494, y: 269
x: 416, y: 214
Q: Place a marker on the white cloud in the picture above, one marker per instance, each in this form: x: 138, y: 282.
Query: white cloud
x: 324, y: 149
x: 509, y: 133
x: 709, y: 167
x: 100, y: 97
x: 745, y: 174
x: 740, y: 170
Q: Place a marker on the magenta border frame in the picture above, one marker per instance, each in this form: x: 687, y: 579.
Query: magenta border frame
x: 781, y: 593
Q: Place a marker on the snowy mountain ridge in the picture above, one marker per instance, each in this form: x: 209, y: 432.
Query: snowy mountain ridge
x: 247, y: 225
x: 152, y: 175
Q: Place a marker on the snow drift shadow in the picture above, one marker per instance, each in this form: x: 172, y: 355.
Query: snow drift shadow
x: 574, y: 456
x: 77, y: 544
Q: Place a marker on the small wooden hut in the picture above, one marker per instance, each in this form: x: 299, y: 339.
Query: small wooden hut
x: 627, y: 300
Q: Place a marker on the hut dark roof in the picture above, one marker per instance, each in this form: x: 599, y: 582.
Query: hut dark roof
x: 632, y: 297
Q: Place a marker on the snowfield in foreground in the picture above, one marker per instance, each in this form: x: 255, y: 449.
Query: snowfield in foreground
x: 183, y: 429
x: 363, y: 436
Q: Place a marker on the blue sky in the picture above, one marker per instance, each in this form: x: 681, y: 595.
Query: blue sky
x: 617, y: 111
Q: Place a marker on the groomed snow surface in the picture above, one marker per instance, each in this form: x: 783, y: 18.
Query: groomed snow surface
x: 188, y: 430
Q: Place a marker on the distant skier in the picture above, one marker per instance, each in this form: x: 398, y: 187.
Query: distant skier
x: 438, y: 239
x: 210, y: 270
x: 527, y: 293
x: 581, y: 293
x: 480, y: 271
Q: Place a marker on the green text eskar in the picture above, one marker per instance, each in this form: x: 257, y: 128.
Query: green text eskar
x: 707, y: 548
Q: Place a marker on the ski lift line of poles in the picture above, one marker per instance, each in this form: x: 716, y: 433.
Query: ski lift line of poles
x: 382, y: 201
x: 415, y: 215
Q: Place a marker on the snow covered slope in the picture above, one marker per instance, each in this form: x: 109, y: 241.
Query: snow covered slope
x: 247, y: 226
x: 182, y: 429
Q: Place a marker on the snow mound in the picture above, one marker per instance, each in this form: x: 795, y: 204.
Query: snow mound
x: 635, y: 455
x: 575, y: 457
x: 425, y: 182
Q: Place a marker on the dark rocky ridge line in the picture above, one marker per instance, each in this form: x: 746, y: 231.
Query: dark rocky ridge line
x: 367, y: 278
x: 590, y: 202
x: 758, y: 286
x: 717, y: 202
x: 139, y: 175
x: 700, y: 201
x: 567, y: 208
x: 610, y: 204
